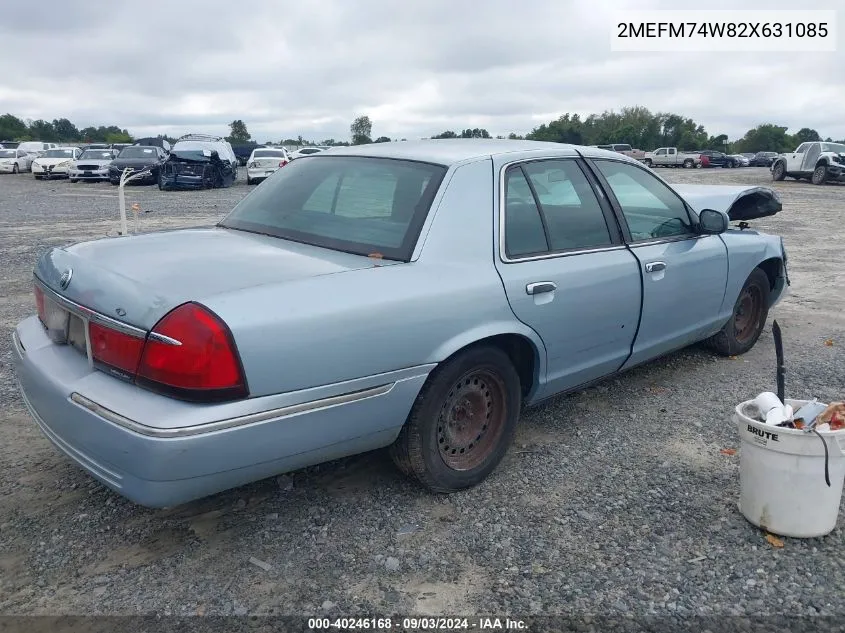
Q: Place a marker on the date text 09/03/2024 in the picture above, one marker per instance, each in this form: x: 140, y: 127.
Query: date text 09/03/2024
x: 417, y: 624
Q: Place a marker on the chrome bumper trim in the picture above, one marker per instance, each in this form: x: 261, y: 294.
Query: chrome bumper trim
x: 229, y: 423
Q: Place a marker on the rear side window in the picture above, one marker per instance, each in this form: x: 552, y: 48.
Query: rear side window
x: 550, y: 206
x: 360, y: 205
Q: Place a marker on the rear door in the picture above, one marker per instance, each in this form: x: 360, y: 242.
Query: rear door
x: 565, y: 270
x: 672, y: 155
x: 684, y: 273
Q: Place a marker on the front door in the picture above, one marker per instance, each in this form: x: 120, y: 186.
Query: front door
x: 795, y: 160
x: 684, y: 273
x: 811, y: 156
x: 565, y: 270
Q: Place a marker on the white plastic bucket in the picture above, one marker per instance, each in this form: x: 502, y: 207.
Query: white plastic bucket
x: 781, y: 473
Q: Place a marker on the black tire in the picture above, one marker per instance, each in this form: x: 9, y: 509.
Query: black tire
x: 648, y: 162
x: 819, y: 176
x: 74, y: 179
x: 15, y: 169
x: 38, y: 177
x: 749, y: 316
x: 688, y: 163
x: 779, y: 171
x: 114, y: 182
x: 479, y: 381
x: 248, y: 180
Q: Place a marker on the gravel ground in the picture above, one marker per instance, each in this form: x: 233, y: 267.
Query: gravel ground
x: 613, y: 501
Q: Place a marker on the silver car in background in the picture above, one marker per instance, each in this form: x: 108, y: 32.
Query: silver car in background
x: 14, y: 161
x: 264, y: 161
x: 92, y: 164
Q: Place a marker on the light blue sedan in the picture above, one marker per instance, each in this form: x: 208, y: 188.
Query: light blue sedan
x: 414, y: 295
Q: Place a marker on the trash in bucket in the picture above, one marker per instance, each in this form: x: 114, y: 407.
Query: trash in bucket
x: 792, y: 460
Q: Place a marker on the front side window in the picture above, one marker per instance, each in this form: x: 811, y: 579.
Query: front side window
x: 355, y: 204
x: 651, y: 209
x: 550, y: 206
x: 802, y: 148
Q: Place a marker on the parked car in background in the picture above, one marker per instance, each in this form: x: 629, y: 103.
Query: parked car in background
x: 763, y: 159
x: 739, y: 160
x: 624, y: 148
x: 243, y: 151
x: 36, y: 148
x: 264, y: 161
x: 9, y: 144
x: 153, y: 141
x: 199, y: 161
x: 718, y: 159
x: 305, y: 151
x: 92, y: 164
x: 817, y: 162
x: 749, y: 156
x: 14, y: 161
x: 54, y: 163
x: 138, y: 158
x: 246, y: 349
x: 671, y: 157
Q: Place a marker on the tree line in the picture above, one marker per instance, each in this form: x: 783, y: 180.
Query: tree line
x: 635, y: 125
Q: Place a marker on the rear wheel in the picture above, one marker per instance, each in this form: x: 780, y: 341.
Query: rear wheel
x: 648, y: 162
x: 779, y: 171
x: 15, y: 169
x: 462, y: 422
x: 688, y: 163
x: 819, y: 175
x: 751, y: 310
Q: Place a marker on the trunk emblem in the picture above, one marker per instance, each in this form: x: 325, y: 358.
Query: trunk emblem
x: 64, y: 280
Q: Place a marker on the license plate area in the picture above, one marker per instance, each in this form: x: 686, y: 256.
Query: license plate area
x: 77, y: 333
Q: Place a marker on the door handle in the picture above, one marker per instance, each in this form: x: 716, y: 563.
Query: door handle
x: 653, y: 267
x: 539, y: 287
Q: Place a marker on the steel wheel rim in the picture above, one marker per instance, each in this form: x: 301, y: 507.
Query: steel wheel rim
x: 472, y: 419
x: 818, y: 174
x: 747, y: 316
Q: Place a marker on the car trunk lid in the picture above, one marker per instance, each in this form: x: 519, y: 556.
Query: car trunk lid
x: 139, y: 279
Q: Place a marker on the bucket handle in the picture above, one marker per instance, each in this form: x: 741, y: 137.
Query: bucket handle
x: 826, y: 457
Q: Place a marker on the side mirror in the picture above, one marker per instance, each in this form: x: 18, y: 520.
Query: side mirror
x: 711, y: 222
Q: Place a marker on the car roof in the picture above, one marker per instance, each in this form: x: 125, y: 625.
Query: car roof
x: 452, y: 151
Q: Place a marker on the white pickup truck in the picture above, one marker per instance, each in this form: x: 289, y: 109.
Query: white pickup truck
x: 671, y: 157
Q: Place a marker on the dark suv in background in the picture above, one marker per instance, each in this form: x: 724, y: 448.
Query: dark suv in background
x: 763, y: 159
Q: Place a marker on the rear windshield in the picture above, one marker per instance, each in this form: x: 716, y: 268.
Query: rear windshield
x: 268, y: 153
x: 138, y: 152
x: 367, y: 206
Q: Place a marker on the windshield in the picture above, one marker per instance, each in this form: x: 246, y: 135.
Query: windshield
x: 97, y: 154
x: 833, y: 147
x: 58, y: 153
x: 7, y: 153
x: 268, y: 153
x: 359, y: 205
x: 138, y: 152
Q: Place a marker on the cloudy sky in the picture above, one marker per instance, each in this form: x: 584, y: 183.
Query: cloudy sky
x: 308, y: 67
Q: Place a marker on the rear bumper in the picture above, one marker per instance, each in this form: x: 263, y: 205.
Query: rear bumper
x: 260, y: 173
x: 160, y: 452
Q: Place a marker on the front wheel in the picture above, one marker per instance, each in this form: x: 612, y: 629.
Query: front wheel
x: 462, y: 422
x: 15, y: 169
x: 779, y: 171
x: 751, y: 310
x: 74, y: 179
x: 819, y: 175
x: 648, y: 162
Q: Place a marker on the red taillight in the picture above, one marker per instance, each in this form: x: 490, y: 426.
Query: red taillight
x: 115, y: 349
x: 190, y: 353
x: 39, y: 302
x: 283, y: 163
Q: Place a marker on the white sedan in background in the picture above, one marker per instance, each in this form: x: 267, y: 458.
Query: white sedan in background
x: 14, y: 161
x: 264, y: 161
x: 55, y: 163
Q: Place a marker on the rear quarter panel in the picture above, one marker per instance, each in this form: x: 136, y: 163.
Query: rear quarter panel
x: 354, y: 324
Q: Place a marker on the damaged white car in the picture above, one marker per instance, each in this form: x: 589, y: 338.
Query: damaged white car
x: 818, y: 162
